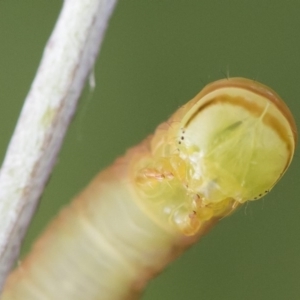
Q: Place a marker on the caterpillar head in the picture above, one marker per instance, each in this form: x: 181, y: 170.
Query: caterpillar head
x: 239, y: 137
x: 228, y: 145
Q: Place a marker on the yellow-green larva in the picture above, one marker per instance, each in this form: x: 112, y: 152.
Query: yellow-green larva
x: 230, y: 144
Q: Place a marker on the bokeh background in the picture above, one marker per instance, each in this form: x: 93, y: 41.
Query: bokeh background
x: 158, y: 54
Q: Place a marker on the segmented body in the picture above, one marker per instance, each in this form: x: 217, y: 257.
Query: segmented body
x: 230, y: 144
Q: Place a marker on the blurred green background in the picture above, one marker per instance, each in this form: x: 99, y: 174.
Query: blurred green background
x: 158, y: 54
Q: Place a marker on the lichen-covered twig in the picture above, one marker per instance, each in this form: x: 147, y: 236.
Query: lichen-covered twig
x: 67, y: 61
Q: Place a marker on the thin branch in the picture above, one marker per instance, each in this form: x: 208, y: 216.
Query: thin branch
x: 67, y: 61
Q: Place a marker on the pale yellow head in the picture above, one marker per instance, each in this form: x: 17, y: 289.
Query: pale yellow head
x: 228, y: 145
x: 239, y: 137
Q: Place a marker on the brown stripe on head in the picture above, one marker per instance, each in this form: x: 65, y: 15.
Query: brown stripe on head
x: 257, y: 88
x: 255, y: 109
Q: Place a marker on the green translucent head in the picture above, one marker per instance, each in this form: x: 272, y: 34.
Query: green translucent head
x: 239, y: 137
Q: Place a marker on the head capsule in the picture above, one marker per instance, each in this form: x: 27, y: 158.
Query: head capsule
x: 239, y: 137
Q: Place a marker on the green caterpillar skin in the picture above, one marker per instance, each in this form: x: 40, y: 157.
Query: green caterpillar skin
x: 230, y: 144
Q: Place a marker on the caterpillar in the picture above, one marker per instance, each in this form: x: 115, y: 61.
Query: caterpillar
x: 228, y: 145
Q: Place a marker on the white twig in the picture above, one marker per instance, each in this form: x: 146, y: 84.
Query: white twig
x: 67, y: 61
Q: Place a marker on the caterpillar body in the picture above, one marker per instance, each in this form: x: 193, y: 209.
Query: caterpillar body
x: 230, y: 144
